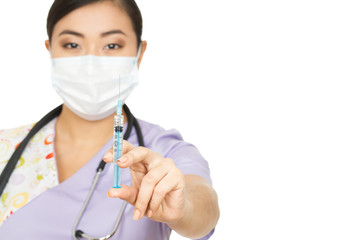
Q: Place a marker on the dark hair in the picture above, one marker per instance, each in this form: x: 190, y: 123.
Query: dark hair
x: 61, y: 8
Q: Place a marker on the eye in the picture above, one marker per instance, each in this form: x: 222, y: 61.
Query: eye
x: 71, y: 45
x: 112, y: 46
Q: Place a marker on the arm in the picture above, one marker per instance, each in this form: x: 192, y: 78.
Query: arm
x: 201, y: 212
x: 188, y: 204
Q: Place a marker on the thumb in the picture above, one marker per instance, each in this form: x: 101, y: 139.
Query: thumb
x: 126, y: 193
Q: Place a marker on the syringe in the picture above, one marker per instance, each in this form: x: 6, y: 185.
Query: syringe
x: 118, y: 142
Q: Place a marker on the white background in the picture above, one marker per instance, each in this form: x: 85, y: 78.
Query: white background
x: 267, y: 90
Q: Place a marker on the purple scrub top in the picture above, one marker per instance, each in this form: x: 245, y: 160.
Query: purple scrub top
x: 52, y: 214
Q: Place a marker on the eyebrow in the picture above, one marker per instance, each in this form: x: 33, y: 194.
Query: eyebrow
x: 82, y: 35
x: 117, y: 31
x: 71, y: 33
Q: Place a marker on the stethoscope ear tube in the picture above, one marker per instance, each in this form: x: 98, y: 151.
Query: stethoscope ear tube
x: 77, y: 233
x: 10, y: 166
x: 132, y: 121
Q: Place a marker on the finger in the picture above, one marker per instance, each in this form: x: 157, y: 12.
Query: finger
x: 108, y: 157
x: 126, y: 193
x: 166, y: 185
x: 146, y: 190
x: 140, y: 154
x: 127, y: 147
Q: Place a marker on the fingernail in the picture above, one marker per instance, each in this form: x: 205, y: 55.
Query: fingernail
x: 123, y: 159
x: 137, y: 214
x: 150, y: 213
x: 107, y: 155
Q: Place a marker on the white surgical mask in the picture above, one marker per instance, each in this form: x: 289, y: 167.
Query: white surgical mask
x: 89, y: 85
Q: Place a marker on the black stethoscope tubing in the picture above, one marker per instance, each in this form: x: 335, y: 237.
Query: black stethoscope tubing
x: 10, y: 166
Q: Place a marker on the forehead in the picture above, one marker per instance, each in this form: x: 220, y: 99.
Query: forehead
x: 96, y: 18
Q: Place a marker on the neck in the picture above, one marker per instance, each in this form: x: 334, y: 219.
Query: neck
x: 82, y: 133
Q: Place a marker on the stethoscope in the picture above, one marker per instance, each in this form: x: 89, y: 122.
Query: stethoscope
x: 10, y: 166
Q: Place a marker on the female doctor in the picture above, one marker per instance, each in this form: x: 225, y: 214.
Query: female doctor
x: 166, y: 182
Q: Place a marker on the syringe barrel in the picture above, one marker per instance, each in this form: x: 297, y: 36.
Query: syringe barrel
x: 117, y: 147
x: 118, y: 136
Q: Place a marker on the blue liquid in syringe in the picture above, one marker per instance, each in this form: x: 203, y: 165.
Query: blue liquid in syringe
x: 117, y: 147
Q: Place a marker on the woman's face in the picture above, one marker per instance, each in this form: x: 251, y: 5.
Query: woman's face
x: 101, y: 29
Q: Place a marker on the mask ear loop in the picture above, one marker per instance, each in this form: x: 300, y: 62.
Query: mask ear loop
x: 117, y: 111
x: 139, y: 51
x: 135, y: 62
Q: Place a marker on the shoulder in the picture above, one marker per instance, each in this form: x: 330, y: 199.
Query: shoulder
x: 170, y: 144
x: 17, y: 133
x: 10, y: 138
x: 154, y: 129
x: 158, y: 138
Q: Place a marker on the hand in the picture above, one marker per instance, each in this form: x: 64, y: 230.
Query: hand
x: 158, y: 186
